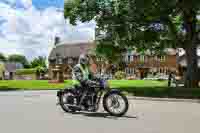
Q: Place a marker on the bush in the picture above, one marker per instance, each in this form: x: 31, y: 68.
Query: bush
x: 25, y: 71
x: 120, y: 75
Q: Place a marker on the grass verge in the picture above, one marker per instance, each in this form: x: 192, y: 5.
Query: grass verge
x: 147, y: 88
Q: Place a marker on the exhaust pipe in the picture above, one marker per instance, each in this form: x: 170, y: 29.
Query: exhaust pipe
x: 74, y: 106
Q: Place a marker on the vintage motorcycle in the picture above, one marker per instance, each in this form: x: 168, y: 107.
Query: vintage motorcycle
x: 88, y: 99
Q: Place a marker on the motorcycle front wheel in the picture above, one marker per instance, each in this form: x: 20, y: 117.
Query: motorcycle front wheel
x: 116, y: 104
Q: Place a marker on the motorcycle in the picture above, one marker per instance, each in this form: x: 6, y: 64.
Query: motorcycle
x: 88, y: 99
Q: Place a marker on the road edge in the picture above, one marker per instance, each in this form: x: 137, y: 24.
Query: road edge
x: 164, y: 99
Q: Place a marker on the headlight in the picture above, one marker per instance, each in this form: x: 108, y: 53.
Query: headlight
x: 106, y: 84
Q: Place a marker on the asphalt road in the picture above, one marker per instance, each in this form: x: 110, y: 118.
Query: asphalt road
x: 36, y: 112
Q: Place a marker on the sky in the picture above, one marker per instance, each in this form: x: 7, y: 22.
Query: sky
x: 29, y: 27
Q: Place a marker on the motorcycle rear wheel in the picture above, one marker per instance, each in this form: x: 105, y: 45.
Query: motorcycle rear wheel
x: 69, y: 97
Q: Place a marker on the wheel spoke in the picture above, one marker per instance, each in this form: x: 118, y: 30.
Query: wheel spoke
x: 66, y: 101
x: 115, y: 103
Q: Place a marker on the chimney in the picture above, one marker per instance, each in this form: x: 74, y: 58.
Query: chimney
x: 57, y: 40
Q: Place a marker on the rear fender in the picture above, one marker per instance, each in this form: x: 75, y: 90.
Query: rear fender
x: 61, y: 92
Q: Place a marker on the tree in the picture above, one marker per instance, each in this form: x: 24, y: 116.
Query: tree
x: 143, y: 24
x: 39, y: 64
x: 180, y: 17
x: 20, y: 59
x: 2, y: 57
x: 40, y: 71
x: 110, y: 54
x: 39, y: 61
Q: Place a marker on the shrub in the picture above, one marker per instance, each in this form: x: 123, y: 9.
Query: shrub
x: 165, y: 92
x: 25, y: 71
x: 120, y: 75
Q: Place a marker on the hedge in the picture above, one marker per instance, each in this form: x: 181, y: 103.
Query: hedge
x: 164, y: 92
x: 25, y: 71
x: 137, y: 88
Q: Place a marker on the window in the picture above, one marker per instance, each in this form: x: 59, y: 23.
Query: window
x: 142, y: 58
x: 160, y: 71
x: 129, y: 71
x: 146, y: 58
x: 98, y: 58
x: 160, y: 58
x: 70, y: 61
x: 126, y: 70
x: 132, y: 58
x: 129, y: 58
x: 124, y: 58
x: 155, y: 58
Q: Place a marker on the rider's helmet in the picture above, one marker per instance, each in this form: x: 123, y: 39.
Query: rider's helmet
x: 84, y: 59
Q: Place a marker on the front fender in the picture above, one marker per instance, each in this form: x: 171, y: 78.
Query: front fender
x: 116, y: 91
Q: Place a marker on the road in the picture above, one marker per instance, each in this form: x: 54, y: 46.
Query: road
x: 36, y: 112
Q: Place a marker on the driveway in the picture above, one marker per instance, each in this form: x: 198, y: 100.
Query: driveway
x: 36, y: 112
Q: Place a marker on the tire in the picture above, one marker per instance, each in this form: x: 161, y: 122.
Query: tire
x: 124, y: 98
x: 62, y: 103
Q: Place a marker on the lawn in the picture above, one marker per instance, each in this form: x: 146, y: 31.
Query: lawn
x: 136, y: 87
x: 43, y: 84
x: 30, y: 84
x: 137, y: 83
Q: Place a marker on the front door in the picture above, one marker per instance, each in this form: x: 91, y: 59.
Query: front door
x: 11, y: 75
x: 143, y: 72
x: 54, y: 75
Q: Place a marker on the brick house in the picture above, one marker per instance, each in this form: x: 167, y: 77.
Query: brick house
x: 64, y: 56
x: 8, y: 70
x: 136, y: 64
x: 140, y: 65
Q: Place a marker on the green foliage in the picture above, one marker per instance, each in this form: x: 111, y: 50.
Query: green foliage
x: 40, y: 61
x: 109, y: 52
x: 25, y: 71
x: 40, y: 69
x: 119, y: 75
x: 31, y: 85
x: 40, y: 65
x: 163, y: 92
x: 2, y: 57
x: 134, y: 23
x: 129, y: 22
x: 2, y: 69
x: 20, y: 59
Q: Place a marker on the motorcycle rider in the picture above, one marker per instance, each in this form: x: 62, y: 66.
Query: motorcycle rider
x: 81, y: 73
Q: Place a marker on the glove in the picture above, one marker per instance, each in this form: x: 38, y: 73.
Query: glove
x: 91, y: 83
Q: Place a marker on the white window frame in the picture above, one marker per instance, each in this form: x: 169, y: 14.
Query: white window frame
x: 132, y: 58
x: 129, y: 71
x: 142, y: 58
x: 161, y: 58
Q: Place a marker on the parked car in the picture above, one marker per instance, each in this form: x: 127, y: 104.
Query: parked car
x: 157, y: 77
